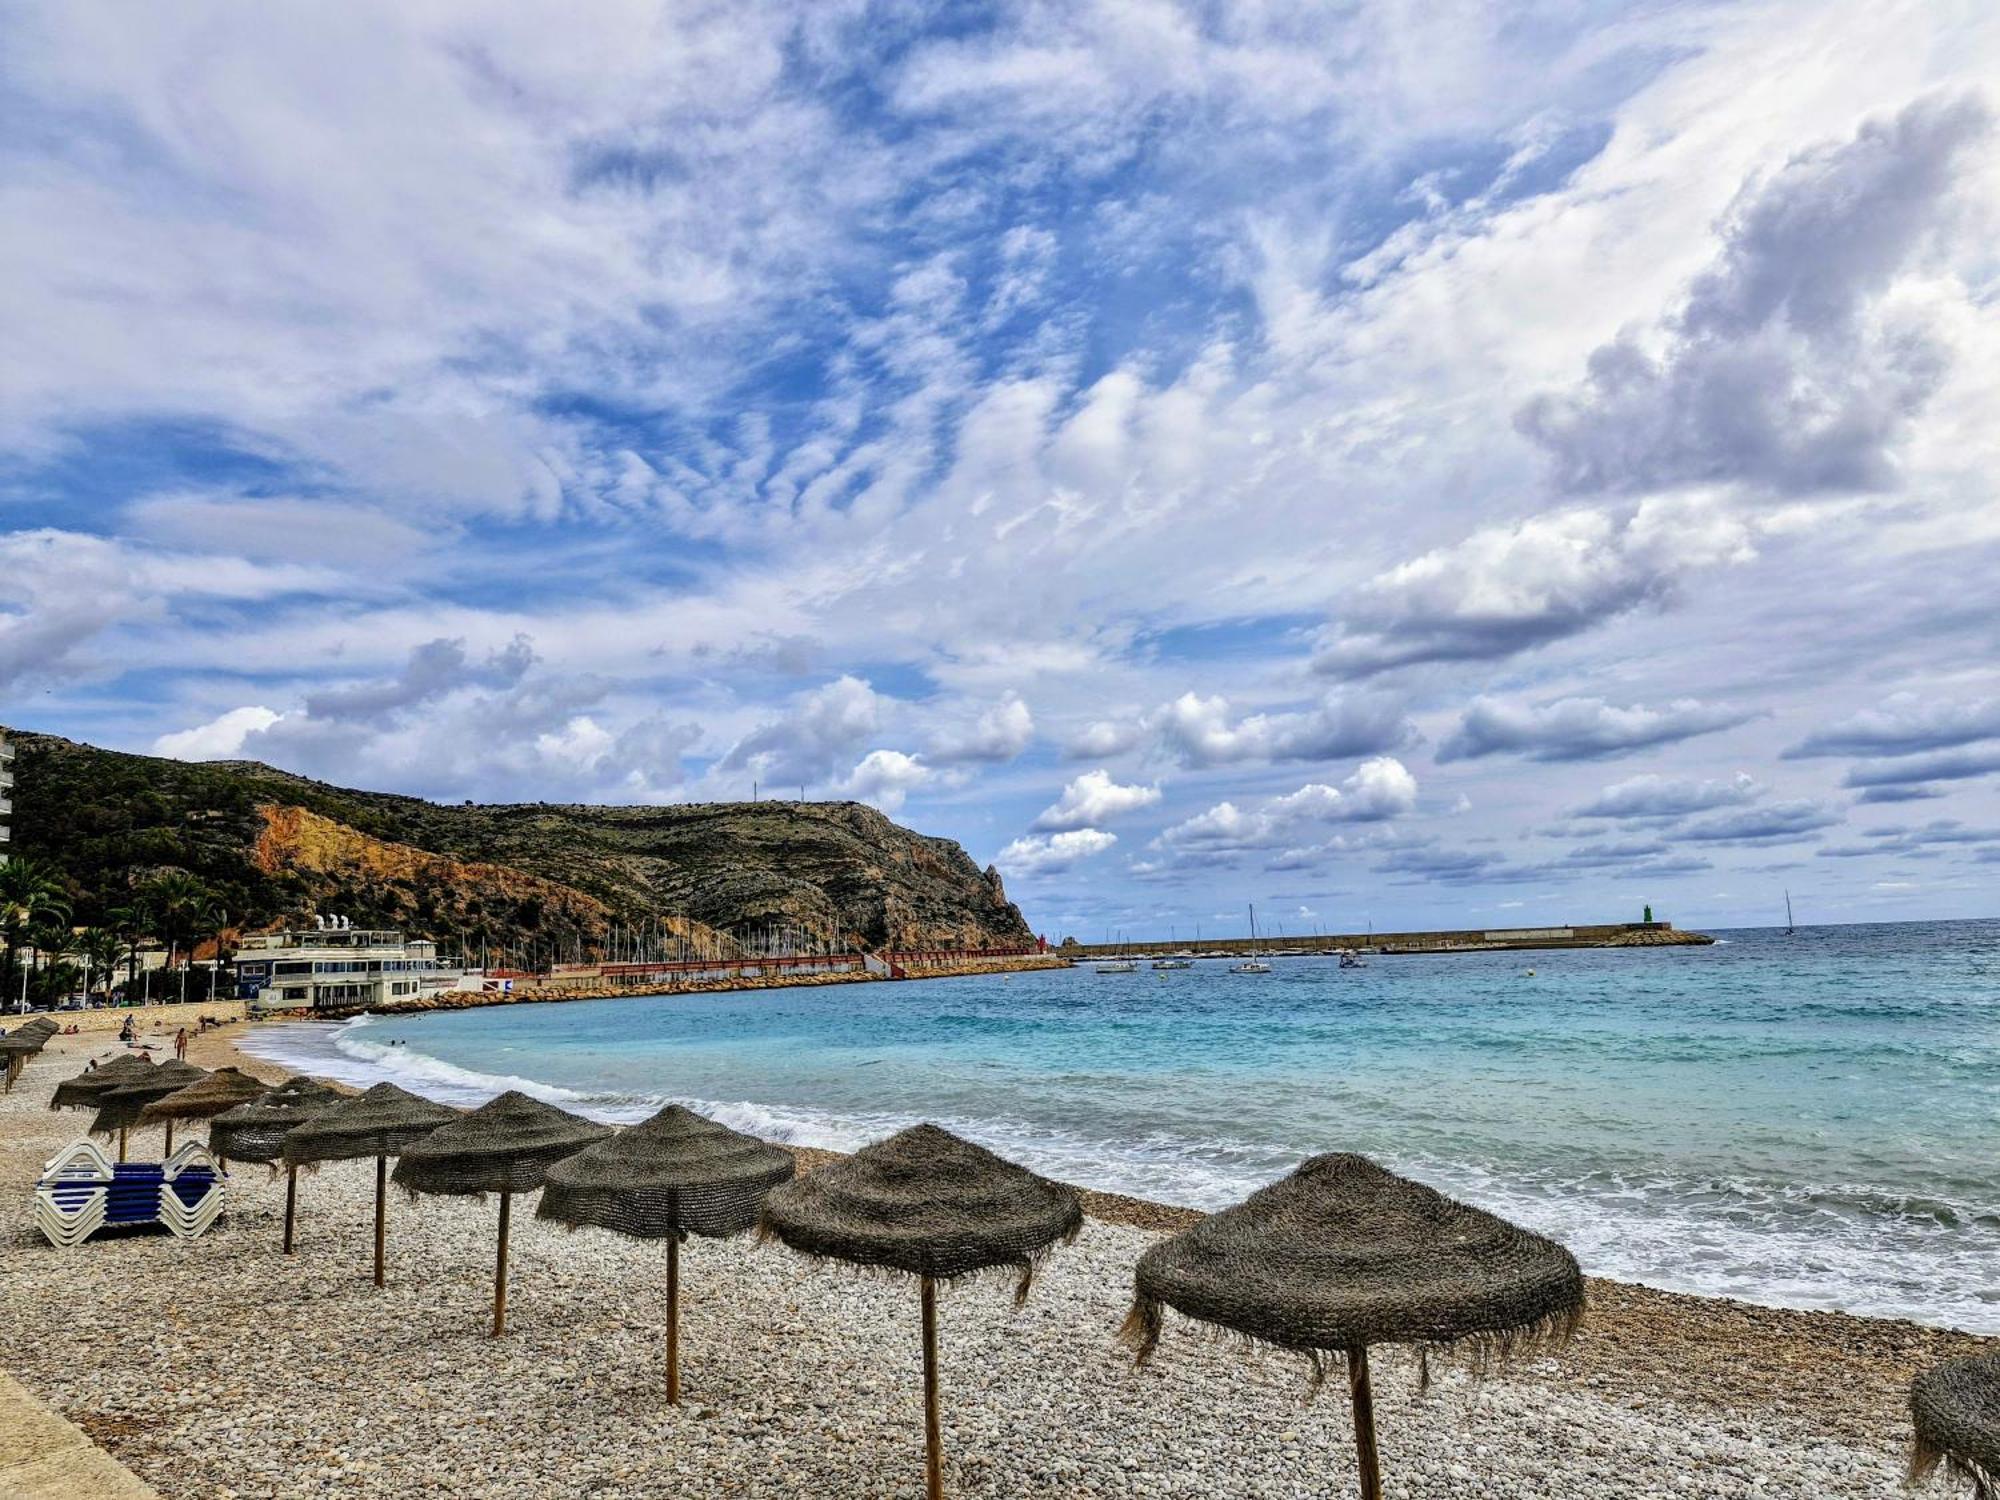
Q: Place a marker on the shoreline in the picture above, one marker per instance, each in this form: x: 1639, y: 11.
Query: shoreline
x: 1645, y: 1343
x: 268, y: 1376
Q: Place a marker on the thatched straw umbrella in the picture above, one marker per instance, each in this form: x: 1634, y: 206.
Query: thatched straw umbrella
x: 1956, y: 1409
x: 936, y: 1207
x: 379, y: 1123
x: 88, y: 1087
x: 15, y: 1050
x: 204, y: 1099
x: 22, y: 1043
x: 119, y: 1108
x: 255, y: 1130
x: 1343, y: 1254
x: 677, y: 1174
x: 505, y: 1146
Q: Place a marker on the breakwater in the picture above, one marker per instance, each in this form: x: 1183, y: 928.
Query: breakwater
x: 1443, y: 940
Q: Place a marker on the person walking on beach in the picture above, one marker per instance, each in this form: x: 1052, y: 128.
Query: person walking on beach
x: 181, y: 1045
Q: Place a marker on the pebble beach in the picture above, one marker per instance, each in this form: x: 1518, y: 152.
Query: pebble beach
x: 221, y: 1368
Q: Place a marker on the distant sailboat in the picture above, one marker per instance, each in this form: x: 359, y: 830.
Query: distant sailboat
x: 1253, y: 964
x: 1790, y: 930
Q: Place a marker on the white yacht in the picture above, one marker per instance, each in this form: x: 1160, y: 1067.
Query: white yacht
x: 1254, y: 964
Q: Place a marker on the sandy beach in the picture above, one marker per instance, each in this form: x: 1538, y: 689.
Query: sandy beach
x: 220, y: 1368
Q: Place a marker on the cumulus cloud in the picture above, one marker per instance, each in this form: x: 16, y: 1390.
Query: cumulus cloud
x: 1920, y: 841
x: 1904, y: 724
x: 1940, y: 765
x: 1379, y: 789
x: 1506, y: 589
x: 1094, y: 798
x: 817, y: 734
x: 884, y: 778
x: 1579, y: 728
x: 1879, y: 794
x: 1104, y: 738
x: 1000, y: 733
x: 221, y: 738
x: 1780, y: 369
x: 435, y: 668
x: 1051, y: 854
x: 1773, y: 823
x: 1655, y: 796
x: 1199, y: 731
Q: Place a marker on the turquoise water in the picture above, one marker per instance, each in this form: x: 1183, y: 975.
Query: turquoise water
x: 1810, y: 1121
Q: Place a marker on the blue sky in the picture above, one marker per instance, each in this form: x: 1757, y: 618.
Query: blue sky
x: 1466, y: 463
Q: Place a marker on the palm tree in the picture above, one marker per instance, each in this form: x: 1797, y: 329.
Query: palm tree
x: 179, y: 902
x: 133, y: 922
x: 103, y: 949
x: 214, y: 918
x: 31, y: 893
x: 52, y: 941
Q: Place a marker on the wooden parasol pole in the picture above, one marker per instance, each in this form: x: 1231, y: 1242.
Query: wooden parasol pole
x: 500, y: 1266
x: 381, y: 1211
x: 933, y: 1433
x: 673, y: 1320
x: 170, y: 1138
x: 1364, y: 1423
x: 291, y: 1201
x: 121, y: 1143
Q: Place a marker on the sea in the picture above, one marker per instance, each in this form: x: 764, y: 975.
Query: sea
x: 1808, y: 1120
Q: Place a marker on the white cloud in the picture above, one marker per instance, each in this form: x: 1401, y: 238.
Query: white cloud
x: 1103, y: 738
x: 1655, y: 796
x: 1197, y: 731
x: 1379, y: 789
x: 1506, y: 589
x: 1000, y: 733
x: 1094, y: 798
x: 1580, y: 728
x: 819, y: 730
x: 221, y: 738
x: 1052, y: 854
x: 885, y: 778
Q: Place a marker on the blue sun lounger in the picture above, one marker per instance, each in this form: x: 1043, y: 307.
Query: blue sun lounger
x: 81, y: 1192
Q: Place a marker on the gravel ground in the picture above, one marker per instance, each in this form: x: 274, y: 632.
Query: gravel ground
x: 220, y: 1368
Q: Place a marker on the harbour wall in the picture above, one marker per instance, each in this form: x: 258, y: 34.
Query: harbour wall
x: 1445, y: 940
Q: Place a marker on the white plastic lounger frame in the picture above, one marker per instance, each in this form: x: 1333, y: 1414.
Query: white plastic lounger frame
x: 82, y: 1190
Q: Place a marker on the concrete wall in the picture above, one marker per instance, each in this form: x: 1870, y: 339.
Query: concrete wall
x: 169, y: 1018
x: 1586, y: 936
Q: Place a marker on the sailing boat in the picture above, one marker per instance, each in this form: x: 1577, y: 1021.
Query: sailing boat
x: 1121, y: 964
x: 1253, y: 964
x: 1790, y: 930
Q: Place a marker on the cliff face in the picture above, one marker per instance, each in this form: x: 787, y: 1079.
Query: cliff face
x: 278, y: 847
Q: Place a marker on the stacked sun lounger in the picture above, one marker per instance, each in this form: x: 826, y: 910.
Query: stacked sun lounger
x: 82, y: 1191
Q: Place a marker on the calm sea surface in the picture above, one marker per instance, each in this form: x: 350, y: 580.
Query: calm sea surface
x: 1810, y: 1121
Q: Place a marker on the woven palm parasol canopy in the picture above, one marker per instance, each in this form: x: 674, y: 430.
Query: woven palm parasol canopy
x: 206, y: 1097
x: 379, y: 1123
x: 16, y: 1047
x: 1955, y: 1407
x: 934, y: 1206
x: 255, y: 1130
x: 119, y: 1108
x: 1343, y: 1254
x: 505, y: 1146
x: 677, y: 1174
x: 85, y: 1090
x: 22, y: 1043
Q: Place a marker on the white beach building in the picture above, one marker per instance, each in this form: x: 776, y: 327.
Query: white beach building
x: 335, y: 966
